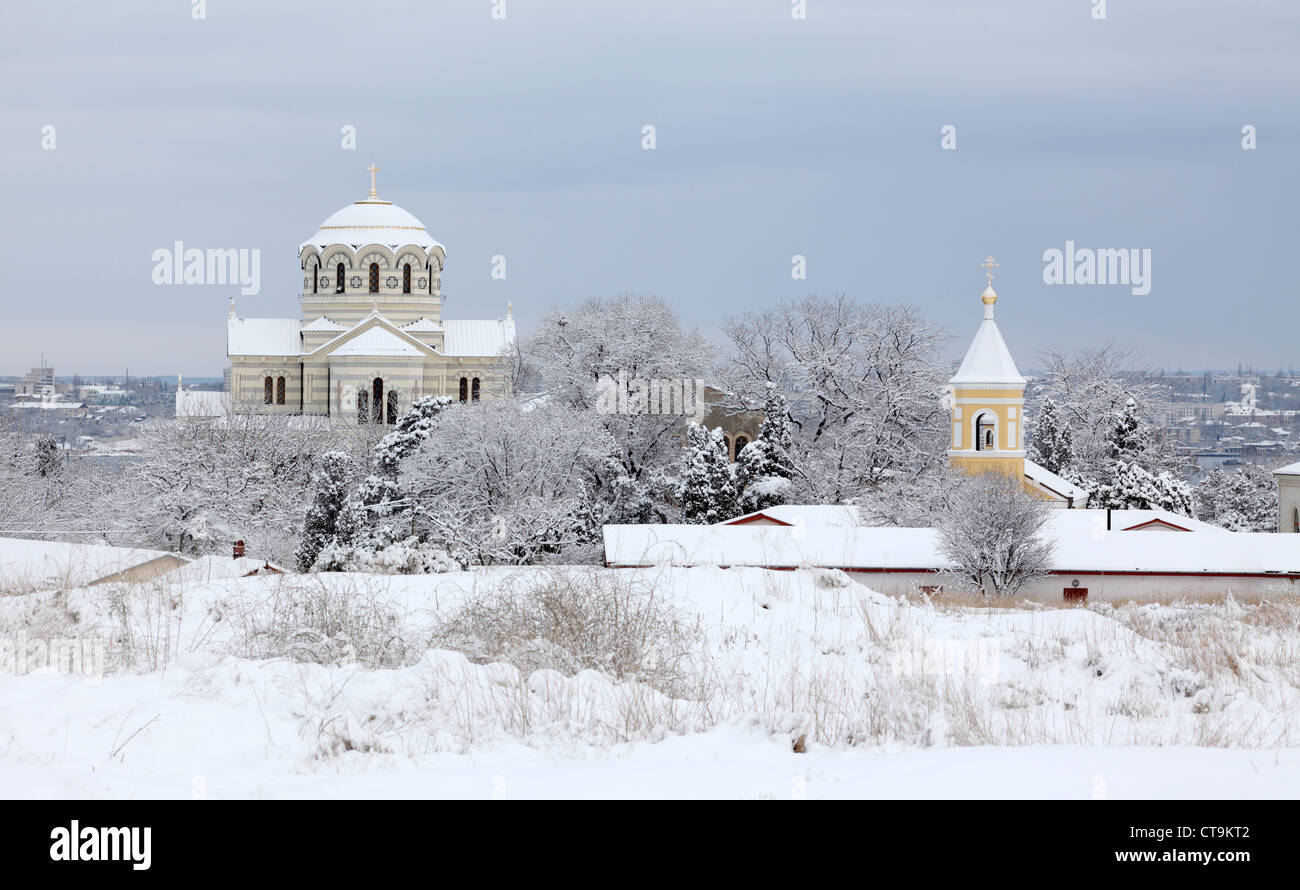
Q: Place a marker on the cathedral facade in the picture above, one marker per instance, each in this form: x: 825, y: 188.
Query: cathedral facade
x: 371, y: 337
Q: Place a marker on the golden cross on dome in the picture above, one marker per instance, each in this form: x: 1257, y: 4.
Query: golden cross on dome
x: 372, y: 169
x: 988, y: 266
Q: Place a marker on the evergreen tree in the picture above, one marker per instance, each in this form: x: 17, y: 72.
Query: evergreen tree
x: 708, y: 488
x: 47, y: 455
x: 330, y: 485
x: 1128, y: 441
x: 1130, y: 487
x: 1052, y: 446
x: 379, y: 499
x: 1240, y: 501
x: 765, y: 468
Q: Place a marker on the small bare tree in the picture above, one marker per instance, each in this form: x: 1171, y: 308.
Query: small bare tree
x: 992, y: 535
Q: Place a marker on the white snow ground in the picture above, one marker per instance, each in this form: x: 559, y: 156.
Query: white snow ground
x: 892, y: 699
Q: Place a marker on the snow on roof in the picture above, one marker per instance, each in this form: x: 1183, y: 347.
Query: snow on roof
x: 323, y: 324
x: 1288, y: 470
x: 1049, y: 480
x: 422, y: 324
x: 372, y: 221
x: 988, y: 360
x: 377, y: 340
x: 917, y: 549
x: 202, y: 403
x: 263, y: 336
x: 1080, y: 522
x: 483, y: 338
x: 809, y: 515
x: 44, y: 564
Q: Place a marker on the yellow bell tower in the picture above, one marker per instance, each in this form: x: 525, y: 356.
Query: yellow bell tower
x: 987, y: 400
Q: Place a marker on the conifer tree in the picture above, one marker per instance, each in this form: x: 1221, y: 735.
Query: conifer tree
x: 708, y: 489
x: 1052, y: 446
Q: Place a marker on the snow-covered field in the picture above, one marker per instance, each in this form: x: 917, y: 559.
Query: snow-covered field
x: 586, y: 682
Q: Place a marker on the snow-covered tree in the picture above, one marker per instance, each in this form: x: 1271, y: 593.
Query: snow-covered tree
x: 765, y: 468
x: 331, y: 483
x: 383, y: 509
x: 572, y: 349
x: 992, y: 536
x: 1091, y: 390
x: 49, y: 456
x: 509, y: 481
x: 708, y: 489
x: 1127, y: 440
x: 863, y: 382
x: 1052, y: 443
x: 199, y: 485
x: 1243, y: 500
x: 1128, y: 486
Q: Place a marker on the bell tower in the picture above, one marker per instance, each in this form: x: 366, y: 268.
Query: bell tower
x: 987, y: 398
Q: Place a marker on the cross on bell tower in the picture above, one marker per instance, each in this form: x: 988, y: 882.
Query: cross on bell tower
x: 988, y: 266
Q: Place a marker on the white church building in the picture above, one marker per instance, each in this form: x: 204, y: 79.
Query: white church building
x: 371, y: 337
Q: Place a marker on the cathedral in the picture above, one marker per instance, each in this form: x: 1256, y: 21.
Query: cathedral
x: 986, y: 398
x: 371, y: 337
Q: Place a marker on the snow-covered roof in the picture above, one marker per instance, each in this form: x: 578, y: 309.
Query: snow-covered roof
x: 1288, y: 470
x: 372, y: 221
x: 988, y: 360
x: 422, y: 324
x: 328, y: 325
x: 377, y: 340
x: 917, y: 549
x: 263, y: 336
x: 485, y: 338
x: 808, y: 515
x: 44, y: 564
x: 202, y: 403
x: 1049, y: 480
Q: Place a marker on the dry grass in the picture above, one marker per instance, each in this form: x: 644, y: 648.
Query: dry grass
x: 569, y: 622
x: 323, y: 621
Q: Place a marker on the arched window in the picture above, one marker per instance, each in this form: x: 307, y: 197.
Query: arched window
x: 315, y: 277
x: 464, y: 389
x: 266, y: 391
x: 1295, y: 519
x: 377, y: 403
x: 984, y: 432
x: 392, y: 406
x: 406, y: 278
x: 741, y: 442
x: 338, y: 281
x: 475, y: 389
x: 374, y: 278
x: 279, y: 390
x: 363, y: 407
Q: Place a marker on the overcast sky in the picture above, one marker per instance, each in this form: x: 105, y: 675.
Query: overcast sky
x: 775, y: 137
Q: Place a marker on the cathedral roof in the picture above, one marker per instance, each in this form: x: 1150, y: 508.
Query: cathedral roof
x: 988, y: 360
x: 263, y: 336
x: 376, y: 341
x: 373, y: 221
x: 476, y: 337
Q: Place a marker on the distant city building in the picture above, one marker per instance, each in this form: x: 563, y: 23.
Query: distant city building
x: 36, y: 382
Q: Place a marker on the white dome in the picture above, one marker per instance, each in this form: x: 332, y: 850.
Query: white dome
x: 372, y: 221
